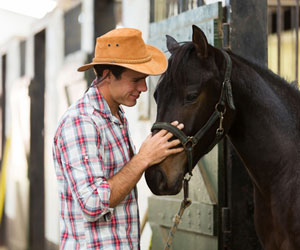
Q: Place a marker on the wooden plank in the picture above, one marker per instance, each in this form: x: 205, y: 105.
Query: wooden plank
x: 282, y: 2
x: 36, y: 161
x: 2, y: 139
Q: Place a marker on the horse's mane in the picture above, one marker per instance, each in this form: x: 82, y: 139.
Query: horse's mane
x: 288, y: 93
x: 263, y: 70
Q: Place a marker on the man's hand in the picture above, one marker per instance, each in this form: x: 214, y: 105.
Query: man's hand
x: 153, y: 150
x: 157, y: 147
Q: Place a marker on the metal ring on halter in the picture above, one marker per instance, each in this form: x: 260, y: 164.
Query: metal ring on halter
x: 189, y: 143
x: 218, y: 105
x: 220, y: 131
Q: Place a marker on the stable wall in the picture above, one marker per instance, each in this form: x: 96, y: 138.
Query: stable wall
x: 287, y: 55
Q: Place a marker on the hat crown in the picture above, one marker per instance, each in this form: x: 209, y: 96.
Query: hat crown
x: 126, y: 48
x: 121, y: 45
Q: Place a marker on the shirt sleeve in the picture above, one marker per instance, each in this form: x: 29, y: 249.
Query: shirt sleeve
x: 83, y: 167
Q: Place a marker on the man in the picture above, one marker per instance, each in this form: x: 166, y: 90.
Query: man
x: 96, y: 167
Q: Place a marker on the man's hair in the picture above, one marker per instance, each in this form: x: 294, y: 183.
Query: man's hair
x: 115, y: 70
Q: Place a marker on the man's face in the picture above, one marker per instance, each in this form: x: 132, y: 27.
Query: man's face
x: 128, y: 88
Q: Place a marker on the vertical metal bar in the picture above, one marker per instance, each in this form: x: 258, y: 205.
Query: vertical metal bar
x: 3, y: 104
x: 180, y: 6
x: 152, y: 11
x: 297, y: 39
x: 200, y: 3
x: 186, y: 5
x: 278, y: 35
x: 168, y: 3
x: 226, y: 35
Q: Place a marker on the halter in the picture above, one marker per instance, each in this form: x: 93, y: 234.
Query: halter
x: 189, y: 142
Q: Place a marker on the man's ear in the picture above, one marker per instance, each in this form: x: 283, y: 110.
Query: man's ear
x: 106, y: 74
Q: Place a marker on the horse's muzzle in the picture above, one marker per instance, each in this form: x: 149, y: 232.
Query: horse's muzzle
x: 158, y: 183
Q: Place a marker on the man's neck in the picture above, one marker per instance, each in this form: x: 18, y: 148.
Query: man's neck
x: 114, y: 107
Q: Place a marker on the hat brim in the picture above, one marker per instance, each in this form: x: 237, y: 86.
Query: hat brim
x: 156, y: 66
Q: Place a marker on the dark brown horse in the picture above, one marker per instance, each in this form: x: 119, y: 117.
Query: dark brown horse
x: 261, y: 119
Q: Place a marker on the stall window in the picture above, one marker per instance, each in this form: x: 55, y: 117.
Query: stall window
x: 72, y: 24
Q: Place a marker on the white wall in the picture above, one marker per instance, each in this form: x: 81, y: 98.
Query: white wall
x: 54, y: 61
x: 17, y: 124
x: 12, y: 25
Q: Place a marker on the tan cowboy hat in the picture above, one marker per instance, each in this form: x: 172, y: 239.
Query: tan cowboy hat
x: 125, y: 47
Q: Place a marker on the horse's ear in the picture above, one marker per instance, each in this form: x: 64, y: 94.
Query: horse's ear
x: 172, y: 44
x: 200, y: 42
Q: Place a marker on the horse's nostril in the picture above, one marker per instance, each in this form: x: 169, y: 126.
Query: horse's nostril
x: 161, y: 180
x: 156, y: 180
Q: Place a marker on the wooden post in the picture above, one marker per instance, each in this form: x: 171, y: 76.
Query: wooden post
x: 2, y: 141
x: 248, y: 39
x: 36, y: 160
x: 297, y: 41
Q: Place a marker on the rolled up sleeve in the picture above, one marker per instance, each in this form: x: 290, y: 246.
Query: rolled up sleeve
x: 82, y: 167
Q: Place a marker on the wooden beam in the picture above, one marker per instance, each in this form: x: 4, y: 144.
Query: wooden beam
x: 36, y: 161
x: 282, y: 2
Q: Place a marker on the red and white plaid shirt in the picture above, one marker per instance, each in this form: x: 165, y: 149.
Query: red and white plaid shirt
x: 90, y: 146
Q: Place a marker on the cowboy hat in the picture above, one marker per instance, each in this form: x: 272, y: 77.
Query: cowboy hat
x: 125, y: 47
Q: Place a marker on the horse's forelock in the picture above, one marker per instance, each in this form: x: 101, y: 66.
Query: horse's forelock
x: 174, y: 77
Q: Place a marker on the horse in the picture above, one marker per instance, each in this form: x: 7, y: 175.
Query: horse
x: 216, y: 93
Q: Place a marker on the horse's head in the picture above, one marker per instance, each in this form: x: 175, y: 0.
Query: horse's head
x: 190, y: 92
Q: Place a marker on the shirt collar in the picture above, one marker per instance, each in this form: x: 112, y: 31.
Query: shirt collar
x: 100, y: 104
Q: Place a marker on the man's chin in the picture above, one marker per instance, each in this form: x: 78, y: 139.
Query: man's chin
x: 130, y: 104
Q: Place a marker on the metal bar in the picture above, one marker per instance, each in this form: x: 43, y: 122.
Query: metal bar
x: 226, y: 35
x: 278, y: 34
x: 297, y: 40
x: 186, y: 5
x: 167, y: 14
x: 180, y: 6
x: 200, y: 3
x: 3, y: 105
x: 152, y: 11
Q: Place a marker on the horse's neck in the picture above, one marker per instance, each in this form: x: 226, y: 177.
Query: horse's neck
x: 264, y: 131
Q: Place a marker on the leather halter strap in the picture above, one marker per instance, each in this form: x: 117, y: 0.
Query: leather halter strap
x: 189, y: 142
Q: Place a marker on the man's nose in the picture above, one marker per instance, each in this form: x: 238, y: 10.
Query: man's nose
x: 142, y: 87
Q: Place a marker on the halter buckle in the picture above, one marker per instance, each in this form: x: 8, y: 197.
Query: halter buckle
x: 187, y: 176
x: 189, y: 143
x: 220, y: 129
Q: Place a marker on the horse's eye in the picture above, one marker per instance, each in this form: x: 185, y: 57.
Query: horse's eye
x: 190, y: 98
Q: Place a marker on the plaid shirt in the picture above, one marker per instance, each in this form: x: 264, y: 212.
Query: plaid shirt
x: 90, y: 146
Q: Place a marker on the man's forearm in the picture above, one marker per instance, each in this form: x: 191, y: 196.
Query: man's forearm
x: 124, y: 181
